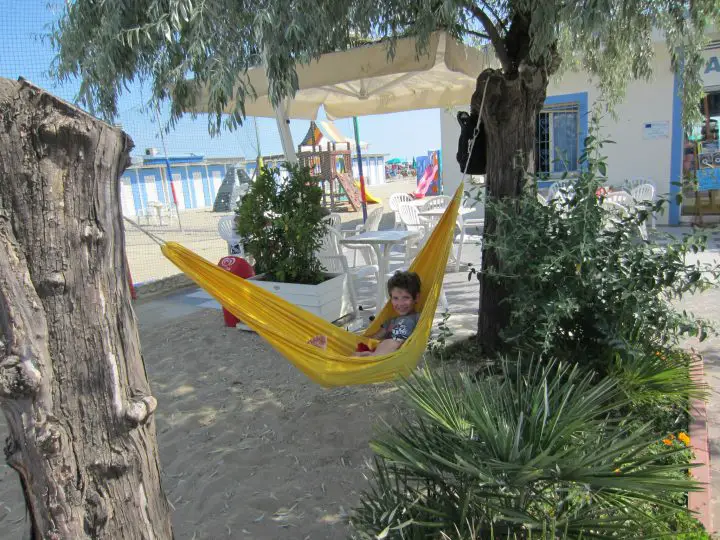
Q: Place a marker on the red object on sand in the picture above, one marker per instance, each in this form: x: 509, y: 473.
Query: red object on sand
x: 133, y: 294
x: 239, y: 267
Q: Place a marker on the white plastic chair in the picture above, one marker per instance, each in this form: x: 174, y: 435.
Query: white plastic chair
x: 622, y: 210
x: 645, y: 193
x: 630, y: 185
x: 466, y: 225
x: 441, y: 201
x: 226, y: 229
x: 559, y: 193
x: 337, y: 264
x: 620, y: 197
x: 371, y: 224
x: 334, y: 220
x: 555, y: 189
x: 396, y: 199
x: 331, y: 257
x: 410, y: 218
x: 436, y: 203
x: 330, y: 243
x: 143, y: 213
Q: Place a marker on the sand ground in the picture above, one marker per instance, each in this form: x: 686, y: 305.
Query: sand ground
x: 250, y: 448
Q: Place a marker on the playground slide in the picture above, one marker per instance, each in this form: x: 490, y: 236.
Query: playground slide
x: 425, y: 181
x: 368, y: 196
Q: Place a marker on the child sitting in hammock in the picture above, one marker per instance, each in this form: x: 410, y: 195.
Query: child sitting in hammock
x: 404, y: 290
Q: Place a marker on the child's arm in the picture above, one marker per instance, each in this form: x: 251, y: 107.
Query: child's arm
x: 388, y: 346
x: 380, y: 334
x: 394, y: 339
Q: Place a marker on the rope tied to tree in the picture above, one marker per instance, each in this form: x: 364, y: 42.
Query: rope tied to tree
x: 159, y: 241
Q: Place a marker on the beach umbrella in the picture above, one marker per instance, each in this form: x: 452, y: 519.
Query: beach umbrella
x: 364, y: 80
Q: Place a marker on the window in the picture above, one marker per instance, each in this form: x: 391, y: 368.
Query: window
x: 701, y: 160
x: 556, y: 139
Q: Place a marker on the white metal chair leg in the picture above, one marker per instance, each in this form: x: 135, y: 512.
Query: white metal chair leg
x: 443, y: 300
x: 353, y: 295
x: 458, y: 253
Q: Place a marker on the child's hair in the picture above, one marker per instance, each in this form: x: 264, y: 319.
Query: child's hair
x: 407, y: 281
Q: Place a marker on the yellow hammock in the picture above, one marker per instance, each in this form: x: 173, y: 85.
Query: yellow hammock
x: 288, y: 328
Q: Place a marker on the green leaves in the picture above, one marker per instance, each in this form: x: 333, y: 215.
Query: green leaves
x: 583, y: 285
x: 281, y: 223
x: 520, y: 452
x: 214, y: 42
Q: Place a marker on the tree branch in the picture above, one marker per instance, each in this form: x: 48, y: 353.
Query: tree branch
x: 476, y: 34
x: 17, y: 378
x: 495, y: 38
x: 139, y: 411
x: 494, y: 14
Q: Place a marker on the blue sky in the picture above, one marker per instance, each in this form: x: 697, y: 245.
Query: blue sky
x: 24, y: 53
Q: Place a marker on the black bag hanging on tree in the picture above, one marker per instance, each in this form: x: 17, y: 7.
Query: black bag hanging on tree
x: 478, y: 160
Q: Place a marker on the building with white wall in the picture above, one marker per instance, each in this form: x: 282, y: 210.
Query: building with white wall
x: 373, y: 168
x: 195, y: 182
x: 647, y: 131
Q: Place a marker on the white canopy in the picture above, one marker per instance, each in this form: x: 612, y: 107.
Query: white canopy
x: 364, y: 81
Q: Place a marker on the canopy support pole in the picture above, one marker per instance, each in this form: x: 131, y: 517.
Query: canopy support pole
x: 360, y: 168
x: 283, y: 124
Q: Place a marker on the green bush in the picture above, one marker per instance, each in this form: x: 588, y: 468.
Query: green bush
x: 532, y: 450
x: 582, y: 284
x: 588, y: 439
x: 281, y: 223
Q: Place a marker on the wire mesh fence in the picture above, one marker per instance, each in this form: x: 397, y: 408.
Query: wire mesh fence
x: 178, y: 178
x: 174, y: 178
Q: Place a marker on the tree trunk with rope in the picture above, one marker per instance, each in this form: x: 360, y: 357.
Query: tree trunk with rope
x: 73, y: 386
x: 509, y: 113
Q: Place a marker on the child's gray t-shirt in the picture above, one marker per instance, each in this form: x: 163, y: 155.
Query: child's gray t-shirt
x: 400, y: 328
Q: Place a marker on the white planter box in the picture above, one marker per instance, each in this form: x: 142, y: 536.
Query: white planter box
x: 328, y: 299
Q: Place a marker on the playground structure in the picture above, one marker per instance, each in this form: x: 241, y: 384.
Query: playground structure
x: 328, y: 155
x: 429, y: 175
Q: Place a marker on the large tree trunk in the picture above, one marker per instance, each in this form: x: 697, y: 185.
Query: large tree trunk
x: 509, y: 114
x: 72, y: 381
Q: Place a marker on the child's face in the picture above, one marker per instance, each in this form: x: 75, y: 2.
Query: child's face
x: 402, y: 301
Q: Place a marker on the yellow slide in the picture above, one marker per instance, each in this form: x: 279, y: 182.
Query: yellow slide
x: 368, y: 196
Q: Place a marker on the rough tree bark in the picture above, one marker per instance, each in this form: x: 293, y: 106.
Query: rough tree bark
x: 512, y: 102
x: 72, y: 381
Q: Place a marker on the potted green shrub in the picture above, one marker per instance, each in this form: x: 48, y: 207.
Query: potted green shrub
x: 281, y: 223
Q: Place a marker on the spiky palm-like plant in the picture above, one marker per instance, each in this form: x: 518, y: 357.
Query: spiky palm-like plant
x: 537, y: 453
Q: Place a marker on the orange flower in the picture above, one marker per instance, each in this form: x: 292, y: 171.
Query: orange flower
x: 617, y: 471
x: 667, y: 442
x: 684, y: 438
